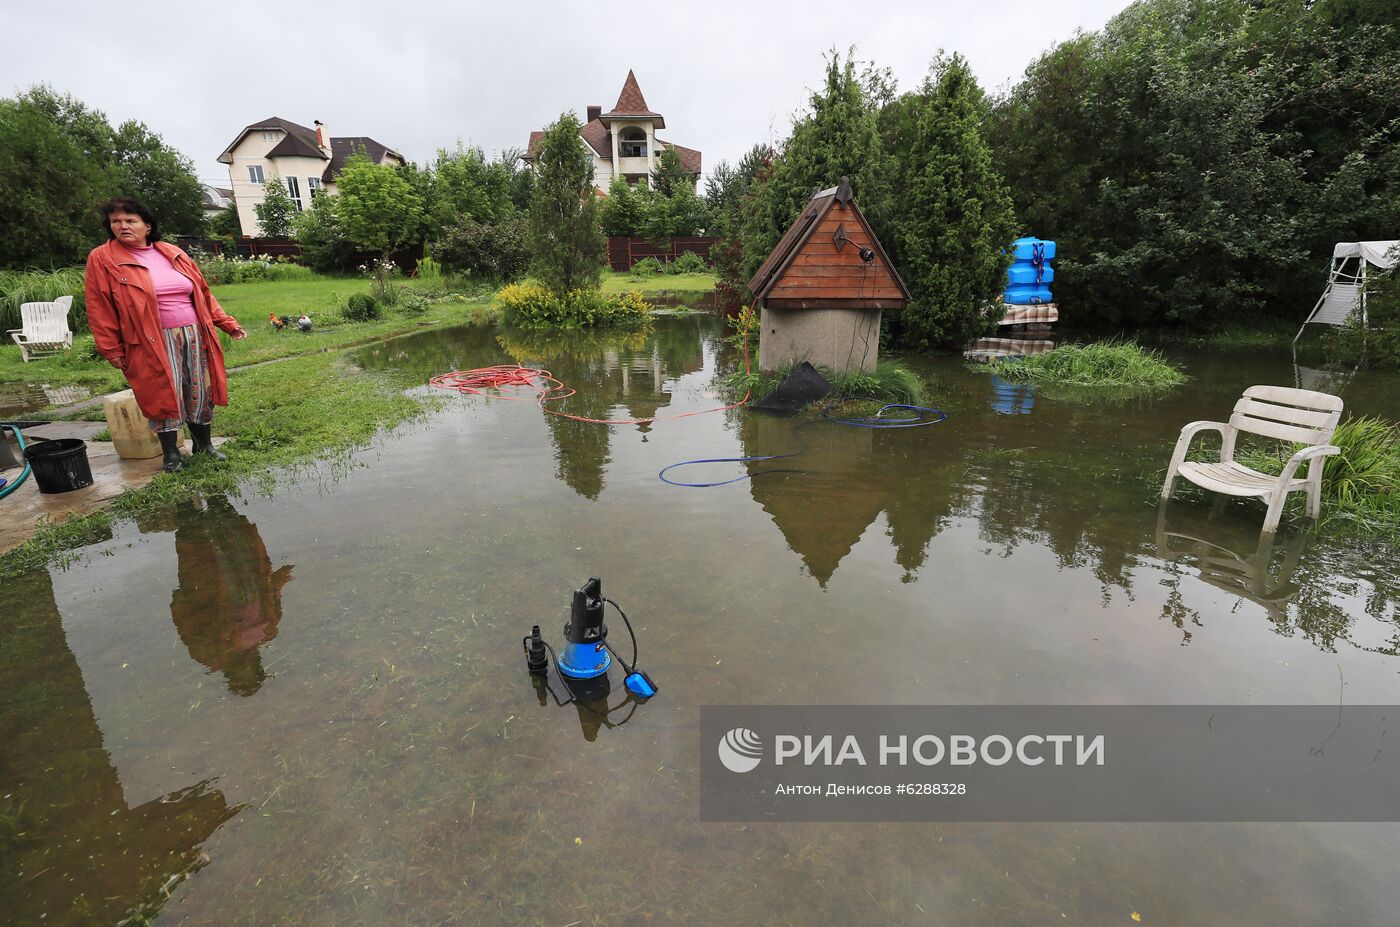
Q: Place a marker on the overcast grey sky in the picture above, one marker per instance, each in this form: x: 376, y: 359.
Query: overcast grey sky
x: 420, y: 76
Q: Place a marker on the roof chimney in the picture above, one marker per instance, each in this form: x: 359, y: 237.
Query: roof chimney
x: 594, y: 112
x: 323, y: 139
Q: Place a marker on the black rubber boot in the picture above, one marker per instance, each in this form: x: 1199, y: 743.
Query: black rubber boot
x: 204, y: 442
x: 170, y: 450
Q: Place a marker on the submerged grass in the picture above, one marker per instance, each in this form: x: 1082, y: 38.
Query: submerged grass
x: 279, y: 416
x: 891, y: 381
x: 1360, y: 486
x: 1107, y: 364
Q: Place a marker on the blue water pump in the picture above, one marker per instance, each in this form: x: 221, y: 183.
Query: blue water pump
x: 583, y: 667
x: 586, y: 636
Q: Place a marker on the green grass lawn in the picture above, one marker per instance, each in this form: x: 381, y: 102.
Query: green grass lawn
x: 614, y: 282
x: 251, y: 303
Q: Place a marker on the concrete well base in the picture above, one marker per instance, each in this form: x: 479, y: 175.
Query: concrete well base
x: 842, y: 340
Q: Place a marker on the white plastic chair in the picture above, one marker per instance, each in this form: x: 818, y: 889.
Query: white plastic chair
x: 1296, y: 415
x: 45, y: 328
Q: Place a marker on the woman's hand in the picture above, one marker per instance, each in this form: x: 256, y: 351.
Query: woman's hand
x: 239, y: 334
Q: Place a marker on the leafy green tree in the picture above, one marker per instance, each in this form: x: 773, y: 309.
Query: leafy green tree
x: 324, y: 244
x: 494, y: 252
x: 226, y: 224
x: 276, y: 211
x: 682, y: 213
x: 160, y: 177
x: 59, y: 160
x: 670, y: 174
x: 838, y: 137
x: 567, y: 246
x: 50, y: 187
x: 622, y: 212
x: 953, y: 219
x: 465, y: 183
x: 1196, y: 159
x: 379, y: 210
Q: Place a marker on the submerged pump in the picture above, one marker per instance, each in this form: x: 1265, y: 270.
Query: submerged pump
x: 583, y: 668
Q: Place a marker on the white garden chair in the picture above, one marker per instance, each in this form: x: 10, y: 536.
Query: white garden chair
x: 45, y: 328
x: 1296, y: 415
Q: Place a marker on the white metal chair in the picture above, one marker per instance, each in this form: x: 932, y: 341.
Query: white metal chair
x: 45, y: 328
x: 1296, y: 415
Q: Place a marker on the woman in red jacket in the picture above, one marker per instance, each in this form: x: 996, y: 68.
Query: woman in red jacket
x: 153, y: 317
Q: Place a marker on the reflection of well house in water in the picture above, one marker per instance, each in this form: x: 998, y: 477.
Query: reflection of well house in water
x: 824, y: 510
x: 87, y: 856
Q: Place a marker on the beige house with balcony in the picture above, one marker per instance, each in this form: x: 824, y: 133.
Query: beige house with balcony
x: 306, y: 160
x: 624, y: 140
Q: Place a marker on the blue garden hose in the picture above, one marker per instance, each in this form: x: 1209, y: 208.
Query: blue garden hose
x: 918, y: 419
x: 8, y: 488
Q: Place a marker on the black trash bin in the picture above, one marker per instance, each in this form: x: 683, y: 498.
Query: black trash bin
x: 60, y: 465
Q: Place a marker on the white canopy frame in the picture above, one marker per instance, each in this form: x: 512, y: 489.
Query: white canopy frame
x: 1345, y: 292
x: 1344, y: 295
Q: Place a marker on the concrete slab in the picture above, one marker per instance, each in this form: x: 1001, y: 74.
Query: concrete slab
x: 22, y: 511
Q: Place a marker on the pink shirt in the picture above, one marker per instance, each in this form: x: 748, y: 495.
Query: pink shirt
x: 174, y: 291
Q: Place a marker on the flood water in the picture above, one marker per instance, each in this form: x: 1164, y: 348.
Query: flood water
x: 312, y: 708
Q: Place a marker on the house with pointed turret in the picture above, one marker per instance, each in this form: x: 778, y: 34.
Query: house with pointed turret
x: 305, y: 160
x: 624, y: 141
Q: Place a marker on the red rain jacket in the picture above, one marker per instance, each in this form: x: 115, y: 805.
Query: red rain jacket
x: 125, y: 323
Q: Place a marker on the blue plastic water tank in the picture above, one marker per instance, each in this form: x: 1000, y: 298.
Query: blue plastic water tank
x: 1029, y: 276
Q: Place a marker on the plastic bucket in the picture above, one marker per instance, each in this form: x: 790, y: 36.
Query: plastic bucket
x: 59, y: 466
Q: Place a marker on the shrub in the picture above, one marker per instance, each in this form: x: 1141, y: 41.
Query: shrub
x: 688, y: 263
x: 1108, y: 364
x: 361, y: 308
x: 411, y: 303
x: 218, y: 269
x: 428, y: 269
x: 382, y: 272
x: 324, y: 245
x: 647, y: 265
x: 491, y: 252
x: 531, y: 305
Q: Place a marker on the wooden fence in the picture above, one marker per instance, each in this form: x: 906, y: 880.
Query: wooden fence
x: 624, y: 252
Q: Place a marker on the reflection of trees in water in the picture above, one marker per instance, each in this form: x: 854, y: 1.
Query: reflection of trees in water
x: 617, y: 374
x: 1021, y: 489
x: 421, y: 356
x: 74, y: 852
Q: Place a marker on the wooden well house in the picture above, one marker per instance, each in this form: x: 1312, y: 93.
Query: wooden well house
x: 821, y: 291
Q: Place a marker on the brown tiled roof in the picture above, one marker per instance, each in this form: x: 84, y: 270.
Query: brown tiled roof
x: 598, y: 137
x: 690, y: 158
x: 297, y: 145
x: 292, y: 130
x: 343, y: 148
x: 631, y: 103
x: 594, y: 133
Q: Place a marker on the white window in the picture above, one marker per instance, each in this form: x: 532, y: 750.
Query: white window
x: 255, y: 173
x: 313, y: 186
x: 295, y: 190
x: 269, y: 136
